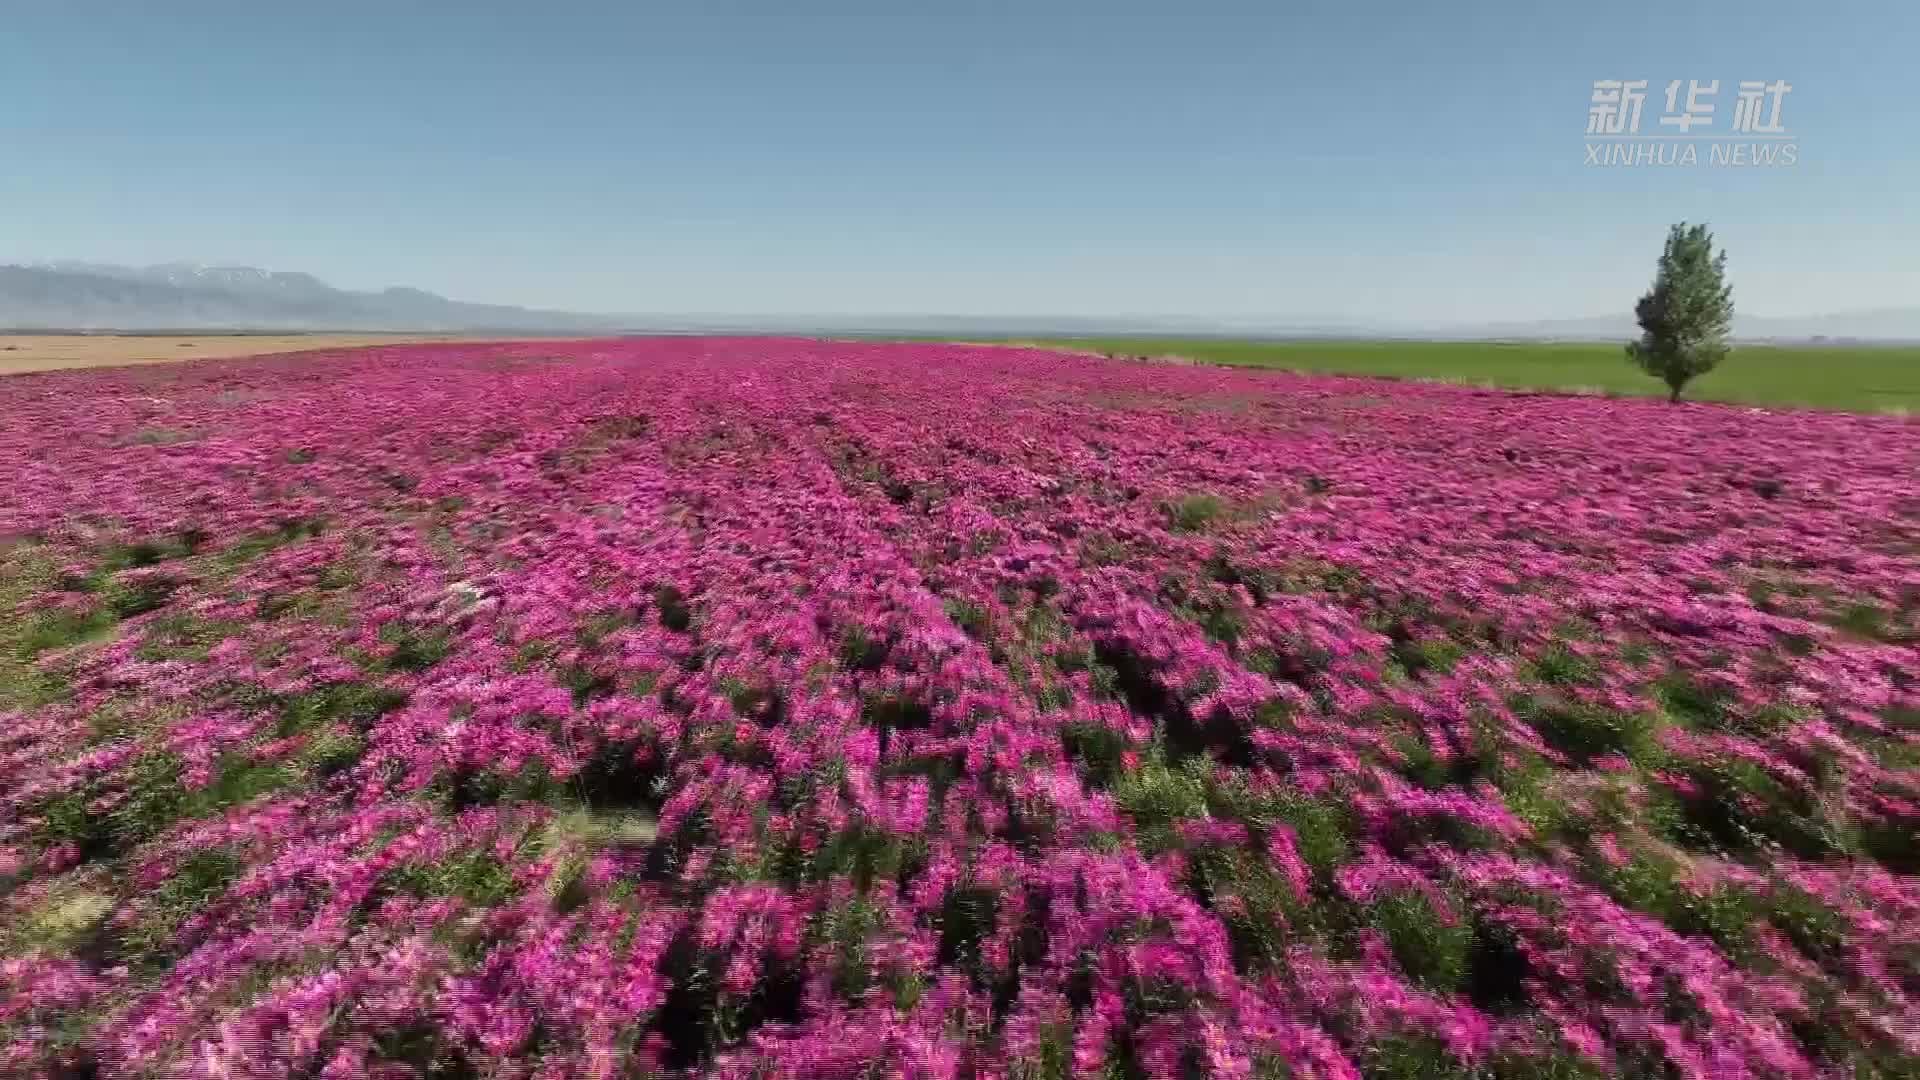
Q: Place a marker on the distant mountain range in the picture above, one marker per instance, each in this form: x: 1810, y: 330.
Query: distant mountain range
x: 183, y: 296
x: 178, y: 296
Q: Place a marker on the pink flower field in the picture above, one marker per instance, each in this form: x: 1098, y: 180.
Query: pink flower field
x: 779, y: 708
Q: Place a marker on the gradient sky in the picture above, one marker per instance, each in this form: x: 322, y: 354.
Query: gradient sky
x: 1414, y: 161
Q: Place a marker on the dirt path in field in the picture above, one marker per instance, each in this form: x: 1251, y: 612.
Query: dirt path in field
x: 54, y: 352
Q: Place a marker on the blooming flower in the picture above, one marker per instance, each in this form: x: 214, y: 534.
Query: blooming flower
x: 800, y: 709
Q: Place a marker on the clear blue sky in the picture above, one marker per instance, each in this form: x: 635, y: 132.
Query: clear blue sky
x: 1340, y: 161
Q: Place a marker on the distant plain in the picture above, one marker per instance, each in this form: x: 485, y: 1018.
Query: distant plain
x: 1855, y: 377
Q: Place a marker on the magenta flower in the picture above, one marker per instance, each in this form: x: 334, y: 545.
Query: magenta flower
x: 780, y: 708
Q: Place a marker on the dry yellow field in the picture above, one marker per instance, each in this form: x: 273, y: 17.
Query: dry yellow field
x: 52, y: 352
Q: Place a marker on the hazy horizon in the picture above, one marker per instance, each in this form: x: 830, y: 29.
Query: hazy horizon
x: 259, y: 299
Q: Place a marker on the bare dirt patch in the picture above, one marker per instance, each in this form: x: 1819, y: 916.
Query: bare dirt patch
x: 53, y: 352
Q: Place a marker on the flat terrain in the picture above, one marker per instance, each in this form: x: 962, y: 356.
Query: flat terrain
x: 1866, y: 378
x: 56, y: 352
x: 1860, y: 378
x: 801, y: 710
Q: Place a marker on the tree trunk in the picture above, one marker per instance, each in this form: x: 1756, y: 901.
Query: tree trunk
x: 1673, y: 395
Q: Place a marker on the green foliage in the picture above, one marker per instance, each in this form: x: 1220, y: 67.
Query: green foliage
x: 402, y: 482
x: 860, y: 651
x: 1259, y: 582
x: 1740, y: 808
x: 1586, y: 731
x: 422, y: 1049
x: 864, y: 856
x: 601, y: 625
x: 1819, y: 932
x: 148, y: 552
x: 1194, y: 511
x: 1429, y: 948
x: 967, y: 615
x: 159, y: 436
x: 1691, y: 701
x: 1421, y: 655
x: 1249, y: 896
x: 1097, y: 749
x: 1894, y: 842
x: 1421, y: 765
x: 474, y: 876
x: 1685, y: 317
x: 182, y: 636
x: 332, y: 751
x: 1101, y: 549
x: 1560, y: 666
x: 414, y: 648
x: 196, y: 881
x: 51, y: 630
x: 1833, y: 1035
x: 237, y: 780
x: 127, y: 598
x: 1871, y: 622
x: 1305, y: 577
x: 288, y: 531
x: 155, y: 799
x: 353, y: 704
x: 671, y: 603
x: 1158, y: 794
x: 965, y: 920
x: 1043, y: 625
x: 24, y: 571
x: 1528, y: 792
x: 566, y: 887
x: 531, y: 656
x: 1859, y: 377
x: 1651, y: 883
x: 1410, y: 1057
x: 1322, y: 828
x: 586, y: 684
x: 1052, y: 1058
x: 845, y: 930
x: 1218, y: 617
x: 1271, y: 1067
x: 464, y: 788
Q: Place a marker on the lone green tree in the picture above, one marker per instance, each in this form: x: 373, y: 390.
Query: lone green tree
x: 1685, y: 317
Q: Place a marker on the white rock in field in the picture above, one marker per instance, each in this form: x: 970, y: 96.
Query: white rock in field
x: 468, y: 595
